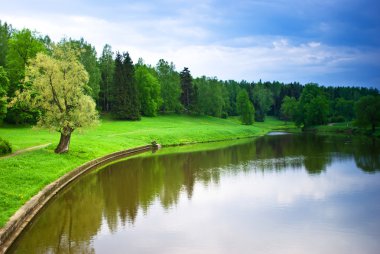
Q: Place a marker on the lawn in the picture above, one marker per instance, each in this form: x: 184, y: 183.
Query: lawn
x: 22, y: 176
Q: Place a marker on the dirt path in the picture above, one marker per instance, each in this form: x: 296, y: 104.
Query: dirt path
x: 25, y: 150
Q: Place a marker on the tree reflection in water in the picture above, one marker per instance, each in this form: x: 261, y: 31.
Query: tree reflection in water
x: 117, y: 193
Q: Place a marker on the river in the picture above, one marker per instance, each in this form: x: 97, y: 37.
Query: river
x: 274, y: 194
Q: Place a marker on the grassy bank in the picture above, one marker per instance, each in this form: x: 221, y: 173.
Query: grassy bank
x: 345, y: 128
x: 22, y: 176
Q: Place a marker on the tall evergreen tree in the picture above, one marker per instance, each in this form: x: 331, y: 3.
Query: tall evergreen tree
x: 5, y: 34
x: 188, y: 93
x: 125, y: 104
x: 107, y: 68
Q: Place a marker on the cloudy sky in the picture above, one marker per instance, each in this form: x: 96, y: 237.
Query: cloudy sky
x: 330, y: 42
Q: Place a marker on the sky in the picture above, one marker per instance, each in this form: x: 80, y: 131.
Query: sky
x: 329, y: 42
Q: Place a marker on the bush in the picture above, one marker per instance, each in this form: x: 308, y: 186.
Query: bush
x: 5, y: 147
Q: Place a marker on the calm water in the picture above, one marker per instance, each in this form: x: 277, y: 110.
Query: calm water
x: 277, y: 194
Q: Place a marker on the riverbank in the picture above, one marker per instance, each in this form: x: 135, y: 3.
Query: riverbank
x: 344, y: 128
x: 22, y: 176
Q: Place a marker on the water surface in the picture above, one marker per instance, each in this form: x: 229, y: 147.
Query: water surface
x: 275, y: 194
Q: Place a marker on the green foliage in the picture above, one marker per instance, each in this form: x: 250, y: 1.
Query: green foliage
x: 313, y: 107
x: 289, y: 108
x: 344, y: 108
x: 232, y: 89
x: 5, y: 34
x: 107, y: 69
x: 189, y: 93
x: 149, y: 90
x: 368, y: 111
x: 5, y: 147
x: 43, y: 166
x: 211, y: 97
x: 245, y: 108
x: 4, y: 84
x: 170, y: 86
x: 125, y: 101
x: 88, y: 59
x: 55, y: 85
x: 262, y: 100
x: 317, y: 111
x: 22, y: 46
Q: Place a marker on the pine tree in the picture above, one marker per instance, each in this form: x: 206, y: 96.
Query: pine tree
x: 107, y: 66
x: 188, y: 94
x: 125, y: 104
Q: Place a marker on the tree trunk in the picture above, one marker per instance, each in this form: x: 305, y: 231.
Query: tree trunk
x: 64, y: 143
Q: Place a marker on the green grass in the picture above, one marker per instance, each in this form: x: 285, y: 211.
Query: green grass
x: 22, y: 176
x: 344, y: 128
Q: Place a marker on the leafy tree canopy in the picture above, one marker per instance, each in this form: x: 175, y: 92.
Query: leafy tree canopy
x: 56, y: 86
x: 169, y: 81
x: 149, y: 90
x: 368, y: 111
x: 263, y: 100
x: 245, y: 108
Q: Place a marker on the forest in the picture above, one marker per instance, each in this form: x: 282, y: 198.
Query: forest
x: 127, y: 90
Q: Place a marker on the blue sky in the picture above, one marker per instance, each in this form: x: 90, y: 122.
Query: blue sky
x: 330, y: 42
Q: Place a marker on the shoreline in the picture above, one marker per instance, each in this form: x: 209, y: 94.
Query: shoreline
x: 19, y: 220
x: 216, y: 130
x: 25, y: 214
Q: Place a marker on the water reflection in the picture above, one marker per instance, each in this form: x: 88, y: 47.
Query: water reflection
x: 115, y: 196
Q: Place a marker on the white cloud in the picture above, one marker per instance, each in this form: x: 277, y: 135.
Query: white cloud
x: 188, y: 43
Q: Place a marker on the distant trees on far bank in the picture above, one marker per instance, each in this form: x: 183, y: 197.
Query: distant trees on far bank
x: 128, y: 90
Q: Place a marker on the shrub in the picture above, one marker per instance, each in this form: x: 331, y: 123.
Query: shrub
x: 5, y: 147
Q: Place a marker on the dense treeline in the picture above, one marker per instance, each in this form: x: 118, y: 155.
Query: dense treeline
x: 127, y: 90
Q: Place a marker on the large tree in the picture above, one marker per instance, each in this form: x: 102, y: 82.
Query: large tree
x: 313, y: 108
x: 107, y: 68
x: 289, y: 108
x: 368, y: 111
x: 211, y: 99
x: 262, y: 100
x: 245, y: 108
x: 55, y: 84
x: 148, y: 89
x: 5, y: 34
x: 125, y: 100
x: 344, y: 108
x: 188, y: 90
x: 170, y: 86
